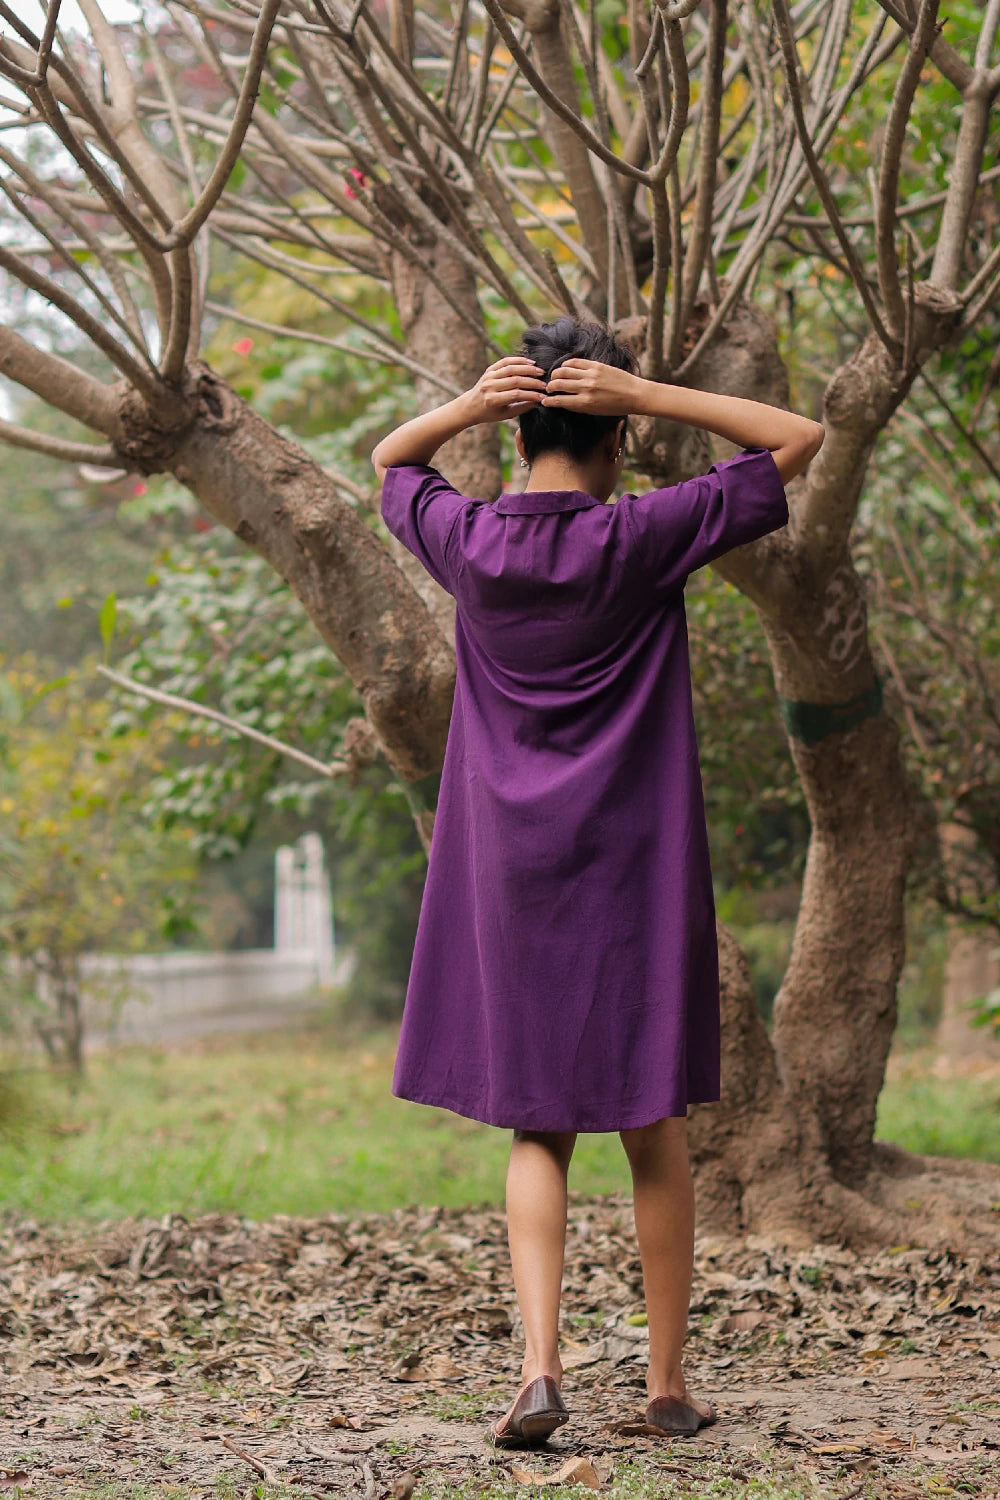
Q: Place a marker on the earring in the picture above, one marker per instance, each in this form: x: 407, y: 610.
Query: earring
x: 524, y: 463
x: 619, y: 453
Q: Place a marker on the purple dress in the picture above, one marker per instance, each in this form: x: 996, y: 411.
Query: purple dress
x: 565, y: 971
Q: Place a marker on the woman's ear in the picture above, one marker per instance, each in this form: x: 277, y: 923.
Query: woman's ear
x: 519, y: 445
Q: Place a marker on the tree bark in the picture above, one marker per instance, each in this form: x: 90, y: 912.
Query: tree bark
x: 271, y: 495
x: 441, y: 339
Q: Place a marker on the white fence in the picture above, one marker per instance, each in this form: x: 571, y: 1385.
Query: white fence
x: 169, y: 996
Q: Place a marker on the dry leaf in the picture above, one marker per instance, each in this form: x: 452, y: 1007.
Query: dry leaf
x: 433, y: 1367
x: 573, y: 1471
x: 741, y: 1322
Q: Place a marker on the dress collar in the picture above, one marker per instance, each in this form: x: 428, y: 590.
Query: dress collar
x: 542, y: 502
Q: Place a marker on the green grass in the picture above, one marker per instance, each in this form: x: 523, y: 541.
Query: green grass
x: 958, y: 1116
x: 303, y: 1122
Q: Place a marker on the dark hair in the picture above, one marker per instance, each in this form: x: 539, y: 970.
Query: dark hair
x: 545, y: 428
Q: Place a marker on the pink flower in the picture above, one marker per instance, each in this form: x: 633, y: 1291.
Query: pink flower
x: 243, y: 346
x: 140, y: 488
x: 349, y: 192
x: 359, y: 176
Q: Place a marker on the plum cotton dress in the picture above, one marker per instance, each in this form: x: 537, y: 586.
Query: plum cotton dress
x: 565, y: 970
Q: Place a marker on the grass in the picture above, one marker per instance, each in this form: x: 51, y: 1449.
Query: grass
x: 302, y: 1122
x: 949, y: 1116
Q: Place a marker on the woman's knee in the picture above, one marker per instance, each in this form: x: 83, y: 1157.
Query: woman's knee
x: 667, y: 1136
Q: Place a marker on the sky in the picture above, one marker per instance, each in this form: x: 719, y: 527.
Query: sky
x: 69, y: 13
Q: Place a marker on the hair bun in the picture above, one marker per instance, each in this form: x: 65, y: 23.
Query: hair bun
x: 545, y: 428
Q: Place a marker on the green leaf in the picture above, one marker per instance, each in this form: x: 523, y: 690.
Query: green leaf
x: 43, y: 692
x: 106, y: 620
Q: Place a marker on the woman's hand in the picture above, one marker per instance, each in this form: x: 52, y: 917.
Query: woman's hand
x: 589, y: 386
x: 506, y: 389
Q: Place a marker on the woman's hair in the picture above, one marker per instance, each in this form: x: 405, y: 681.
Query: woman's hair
x: 546, y: 428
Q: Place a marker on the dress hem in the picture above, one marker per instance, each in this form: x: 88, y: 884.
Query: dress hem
x: 504, y: 1122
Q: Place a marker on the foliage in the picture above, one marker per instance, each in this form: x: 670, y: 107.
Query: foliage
x: 83, y: 873
x: 219, y: 627
x: 931, y: 562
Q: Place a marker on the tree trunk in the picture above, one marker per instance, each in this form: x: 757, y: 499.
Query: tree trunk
x: 455, y: 347
x: 836, y: 1011
x: 268, y: 491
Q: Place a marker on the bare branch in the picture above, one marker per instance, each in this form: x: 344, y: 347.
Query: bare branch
x: 128, y: 321
x: 185, y: 230
x: 143, y: 377
x: 982, y: 289
x: 892, y: 151
x: 788, y: 178
x: 54, y: 447
x: 48, y: 37
x: 963, y: 185
x: 557, y: 105
x: 959, y: 425
x: 786, y: 36
x: 708, y: 144
x: 383, y: 351
x: 329, y: 769
x: 59, y: 383
x: 952, y: 64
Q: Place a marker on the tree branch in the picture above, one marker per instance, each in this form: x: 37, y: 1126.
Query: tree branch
x: 556, y: 104
x: 892, y: 151
x: 380, y: 350
x: 951, y: 63
x: 786, y: 37
x: 54, y: 447
x: 708, y: 144
x: 141, y: 376
x: 60, y: 384
x: 963, y: 185
x: 329, y: 769
x: 184, y: 231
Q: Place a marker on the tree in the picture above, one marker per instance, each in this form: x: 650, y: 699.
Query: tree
x: 487, y: 164
x: 81, y: 871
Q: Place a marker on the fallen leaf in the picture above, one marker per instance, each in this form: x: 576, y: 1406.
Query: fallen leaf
x: 573, y: 1471
x: 434, y: 1367
x: 741, y: 1322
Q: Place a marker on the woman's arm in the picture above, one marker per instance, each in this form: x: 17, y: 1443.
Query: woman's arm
x: 586, y: 385
x: 506, y: 389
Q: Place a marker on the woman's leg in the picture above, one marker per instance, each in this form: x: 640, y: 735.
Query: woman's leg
x: 536, y: 1231
x: 664, y: 1221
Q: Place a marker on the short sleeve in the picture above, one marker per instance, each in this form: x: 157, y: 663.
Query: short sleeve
x: 420, y: 507
x: 680, y: 529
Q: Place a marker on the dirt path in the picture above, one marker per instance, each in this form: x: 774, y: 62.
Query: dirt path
x: 336, y: 1355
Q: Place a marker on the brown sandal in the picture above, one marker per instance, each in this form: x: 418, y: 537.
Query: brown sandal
x: 672, y: 1415
x: 536, y: 1414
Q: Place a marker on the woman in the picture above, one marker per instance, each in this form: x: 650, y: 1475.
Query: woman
x: 565, y: 971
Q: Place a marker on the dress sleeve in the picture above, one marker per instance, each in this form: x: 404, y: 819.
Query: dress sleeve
x: 420, y: 507
x: 680, y: 529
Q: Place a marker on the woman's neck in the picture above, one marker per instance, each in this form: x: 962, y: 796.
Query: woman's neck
x: 557, y: 471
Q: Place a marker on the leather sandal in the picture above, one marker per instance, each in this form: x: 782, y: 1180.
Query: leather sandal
x: 537, y: 1412
x: 672, y: 1415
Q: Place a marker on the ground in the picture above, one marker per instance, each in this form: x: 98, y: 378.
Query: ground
x: 219, y: 1356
